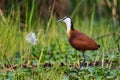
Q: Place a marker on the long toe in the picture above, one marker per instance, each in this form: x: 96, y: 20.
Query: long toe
x: 81, y: 65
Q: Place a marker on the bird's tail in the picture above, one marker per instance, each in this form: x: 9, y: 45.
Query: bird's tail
x: 98, y: 45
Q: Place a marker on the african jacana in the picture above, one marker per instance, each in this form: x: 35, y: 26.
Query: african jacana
x: 78, y: 40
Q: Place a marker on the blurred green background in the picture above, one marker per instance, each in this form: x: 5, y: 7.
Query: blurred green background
x: 107, y: 9
x: 52, y: 58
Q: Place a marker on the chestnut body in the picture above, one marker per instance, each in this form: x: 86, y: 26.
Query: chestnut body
x: 81, y: 42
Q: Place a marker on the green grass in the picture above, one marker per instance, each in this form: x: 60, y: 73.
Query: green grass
x: 18, y: 58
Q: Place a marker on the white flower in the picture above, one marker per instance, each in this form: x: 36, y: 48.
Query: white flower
x: 31, y: 38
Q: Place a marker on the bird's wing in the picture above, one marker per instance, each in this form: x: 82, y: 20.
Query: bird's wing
x: 82, y: 37
x: 82, y: 42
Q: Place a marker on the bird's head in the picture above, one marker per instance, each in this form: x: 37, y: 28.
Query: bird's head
x: 68, y: 23
x: 65, y: 19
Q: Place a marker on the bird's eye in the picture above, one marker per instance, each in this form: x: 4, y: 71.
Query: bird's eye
x: 64, y: 17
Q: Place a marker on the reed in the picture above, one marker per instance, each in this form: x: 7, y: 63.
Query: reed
x: 46, y: 60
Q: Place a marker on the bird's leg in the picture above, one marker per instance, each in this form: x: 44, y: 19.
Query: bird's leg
x: 82, y: 64
x: 66, y: 58
x: 84, y: 58
x: 79, y: 60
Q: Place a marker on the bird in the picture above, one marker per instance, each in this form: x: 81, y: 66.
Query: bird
x: 78, y: 40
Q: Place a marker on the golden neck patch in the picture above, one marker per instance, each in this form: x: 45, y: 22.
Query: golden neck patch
x: 69, y: 33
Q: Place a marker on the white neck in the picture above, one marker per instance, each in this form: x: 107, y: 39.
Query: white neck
x: 68, y: 27
x: 68, y: 24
